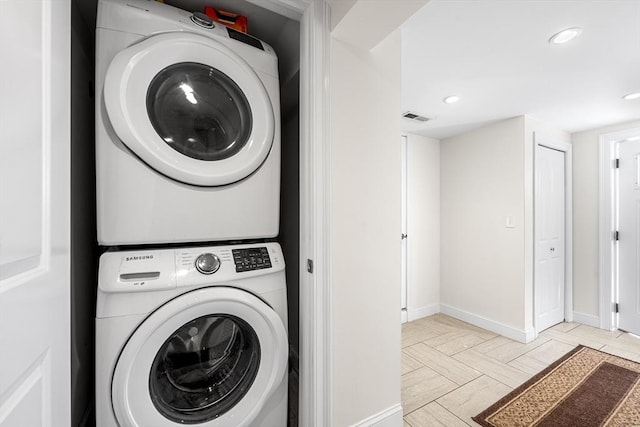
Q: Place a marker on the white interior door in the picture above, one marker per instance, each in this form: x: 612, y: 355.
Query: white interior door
x: 549, y: 237
x: 403, y: 237
x: 34, y: 213
x: 629, y: 236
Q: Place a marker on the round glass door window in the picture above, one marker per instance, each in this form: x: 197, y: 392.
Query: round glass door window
x: 199, y: 111
x: 204, y: 368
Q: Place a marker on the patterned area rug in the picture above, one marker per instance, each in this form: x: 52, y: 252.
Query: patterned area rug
x: 584, y: 388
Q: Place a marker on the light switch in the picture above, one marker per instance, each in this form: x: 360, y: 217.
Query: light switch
x: 509, y: 222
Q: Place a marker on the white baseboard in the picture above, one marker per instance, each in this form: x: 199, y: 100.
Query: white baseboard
x: 520, y: 335
x: 390, y: 417
x: 404, y: 317
x: 420, y: 312
x: 586, y: 319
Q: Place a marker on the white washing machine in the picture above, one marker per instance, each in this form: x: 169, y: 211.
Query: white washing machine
x: 192, y: 336
x: 187, y: 128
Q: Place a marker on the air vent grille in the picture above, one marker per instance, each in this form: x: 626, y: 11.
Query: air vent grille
x: 415, y: 116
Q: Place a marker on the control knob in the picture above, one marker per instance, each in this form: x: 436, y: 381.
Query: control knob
x: 207, y: 263
x: 202, y: 20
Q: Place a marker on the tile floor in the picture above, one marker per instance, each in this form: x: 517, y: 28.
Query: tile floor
x: 452, y: 370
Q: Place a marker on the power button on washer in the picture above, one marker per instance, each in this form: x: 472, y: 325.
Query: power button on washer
x: 207, y: 263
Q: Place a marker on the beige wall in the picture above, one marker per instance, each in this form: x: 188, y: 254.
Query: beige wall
x: 423, y: 225
x: 365, y: 230
x: 585, y: 216
x: 482, y: 182
x: 486, y: 268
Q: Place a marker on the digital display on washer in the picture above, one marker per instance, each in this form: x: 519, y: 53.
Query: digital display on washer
x: 244, y: 38
x: 250, y: 259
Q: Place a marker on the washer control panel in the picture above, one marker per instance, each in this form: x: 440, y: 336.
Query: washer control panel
x: 163, y: 269
x: 219, y: 264
x: 249, y: 259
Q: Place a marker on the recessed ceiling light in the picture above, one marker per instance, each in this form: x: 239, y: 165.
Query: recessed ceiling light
x: 565, y: 35
x: 634, y: 95
x: 451, y: 99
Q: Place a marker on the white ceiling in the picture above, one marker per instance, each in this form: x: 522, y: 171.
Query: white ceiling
x: 495, y: 55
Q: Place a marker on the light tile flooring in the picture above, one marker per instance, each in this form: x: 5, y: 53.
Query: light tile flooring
x: 452, y: 370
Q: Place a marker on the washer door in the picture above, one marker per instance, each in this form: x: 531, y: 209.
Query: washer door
x: 190, y: 108
x: 210, y: 357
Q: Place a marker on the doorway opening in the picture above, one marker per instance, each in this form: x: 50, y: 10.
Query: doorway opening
x: 620, y: 230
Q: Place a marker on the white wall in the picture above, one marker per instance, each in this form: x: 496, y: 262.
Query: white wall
x: 365, y: 230
x: 482, y: 183
x: 365, y: 23
x: 423, y: 226
x: 339, y: 9
x: 365, y: 213
x: 585, y: 216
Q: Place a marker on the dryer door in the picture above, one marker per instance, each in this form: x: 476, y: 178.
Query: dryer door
x: 190, y: 108
x: 211, y: 357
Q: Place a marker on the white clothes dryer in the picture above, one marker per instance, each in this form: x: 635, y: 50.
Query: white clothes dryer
x: 194, y: 336
x: 187, y: 128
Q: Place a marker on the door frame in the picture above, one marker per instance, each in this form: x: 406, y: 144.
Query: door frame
x: 315, y: 206
x: 565, y: 147
x: 404, y: 150
x: 606, y: 226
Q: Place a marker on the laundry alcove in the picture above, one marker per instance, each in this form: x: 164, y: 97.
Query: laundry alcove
x: 282, y: 32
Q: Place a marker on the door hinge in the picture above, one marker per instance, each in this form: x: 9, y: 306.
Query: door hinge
x: 310, y: 266
x: 616, y: 235
x: 616, y: 308
x: 616, y: 163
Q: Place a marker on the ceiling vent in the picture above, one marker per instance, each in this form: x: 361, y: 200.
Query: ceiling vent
x: 414, y: 116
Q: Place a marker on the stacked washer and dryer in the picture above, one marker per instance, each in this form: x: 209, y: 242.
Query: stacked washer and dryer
x: 191, y: 321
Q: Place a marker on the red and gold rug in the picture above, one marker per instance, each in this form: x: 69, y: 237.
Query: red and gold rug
x: 584, y: 388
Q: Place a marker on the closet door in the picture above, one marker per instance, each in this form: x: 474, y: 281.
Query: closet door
x: 35, y: 213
